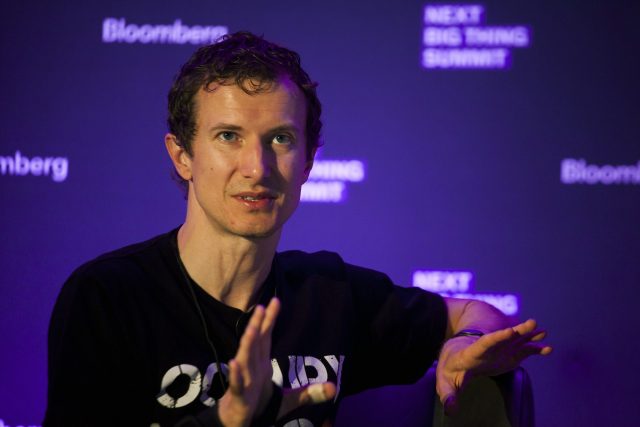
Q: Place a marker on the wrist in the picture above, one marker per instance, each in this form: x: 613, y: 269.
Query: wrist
x: 468, y: 333
x: 459, y: 341
x: 231, y: 412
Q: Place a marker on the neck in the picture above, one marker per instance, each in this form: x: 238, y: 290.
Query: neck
x: 230, y: 268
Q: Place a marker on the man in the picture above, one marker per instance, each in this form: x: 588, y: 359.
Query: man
x: 206, y: 325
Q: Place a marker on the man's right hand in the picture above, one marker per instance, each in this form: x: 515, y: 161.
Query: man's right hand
x: 250, y: 387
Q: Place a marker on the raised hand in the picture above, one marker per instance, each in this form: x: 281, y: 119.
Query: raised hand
x: 465, y: 357
x: 250, y: 371
x: 250, y: 386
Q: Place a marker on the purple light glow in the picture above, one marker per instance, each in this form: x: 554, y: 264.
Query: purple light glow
x: 443, y: 281
x: 451, y: 14
x: 329, y: 178
x: 509, y: 304
x: 466, y: 58
x: 20, y: 165
x: 573, y: 171
x: 459, y: 284
x: 119, y: 31
x: 323, y: 191
x: 455, y: 37
x: 2, y: 424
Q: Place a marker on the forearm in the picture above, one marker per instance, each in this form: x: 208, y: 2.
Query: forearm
x: 472, y: 314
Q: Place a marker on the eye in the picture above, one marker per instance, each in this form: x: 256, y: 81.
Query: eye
x: 227, y: 136
x: 282, y: 139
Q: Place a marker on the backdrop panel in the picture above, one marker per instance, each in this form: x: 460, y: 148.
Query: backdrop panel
x: 504, y: 145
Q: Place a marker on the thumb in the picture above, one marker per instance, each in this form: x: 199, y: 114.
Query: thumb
x: 448, y: 397
x: 313, y: 394
x: 450, y: 405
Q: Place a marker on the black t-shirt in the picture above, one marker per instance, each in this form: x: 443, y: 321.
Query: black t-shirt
x: 127, y: 345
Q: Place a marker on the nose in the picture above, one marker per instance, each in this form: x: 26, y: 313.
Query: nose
x: 254, y: 161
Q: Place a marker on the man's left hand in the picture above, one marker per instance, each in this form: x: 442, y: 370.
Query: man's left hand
x: 465, y: 357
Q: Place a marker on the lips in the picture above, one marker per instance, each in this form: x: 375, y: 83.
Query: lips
x: 256, y: 200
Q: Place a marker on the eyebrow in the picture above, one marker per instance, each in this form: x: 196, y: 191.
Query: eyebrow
x: 223, y: 126
x: 231, y: 127
x: 286, y: 128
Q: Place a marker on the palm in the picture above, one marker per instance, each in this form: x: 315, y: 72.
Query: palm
x: 463, y: 358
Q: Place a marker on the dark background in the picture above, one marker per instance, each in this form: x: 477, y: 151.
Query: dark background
x: 463, y: 168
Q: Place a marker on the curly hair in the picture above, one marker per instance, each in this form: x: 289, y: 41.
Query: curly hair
x: 250, y: 62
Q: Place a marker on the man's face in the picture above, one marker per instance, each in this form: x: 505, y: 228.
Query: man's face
x: 249, y: 158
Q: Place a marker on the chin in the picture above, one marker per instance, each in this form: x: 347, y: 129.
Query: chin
x: 257, y: 232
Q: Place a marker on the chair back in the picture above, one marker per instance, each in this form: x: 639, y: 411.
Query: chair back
x: 502, y: 401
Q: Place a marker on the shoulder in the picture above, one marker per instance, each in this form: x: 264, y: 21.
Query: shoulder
x: 299, y: 266
x: 128, y: 259
x: 119, y: 281
x: 299, y: 263
x: 114, y: 273
x: 325, y: 263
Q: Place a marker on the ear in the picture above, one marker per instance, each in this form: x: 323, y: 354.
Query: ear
x: 309, y: 165
x: 179, y: 156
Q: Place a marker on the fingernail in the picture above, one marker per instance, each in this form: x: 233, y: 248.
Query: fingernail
x: 316, y: 393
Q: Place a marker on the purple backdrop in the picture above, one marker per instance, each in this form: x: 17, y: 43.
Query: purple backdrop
x: 463, y: 168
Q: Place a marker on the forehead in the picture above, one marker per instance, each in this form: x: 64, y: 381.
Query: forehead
x: 257, y: 104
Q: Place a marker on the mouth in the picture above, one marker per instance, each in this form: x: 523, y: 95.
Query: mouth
x: 252, y: 198
x: 258, y: 201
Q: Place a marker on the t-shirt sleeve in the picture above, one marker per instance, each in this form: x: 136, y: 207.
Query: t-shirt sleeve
x: 400, y: 331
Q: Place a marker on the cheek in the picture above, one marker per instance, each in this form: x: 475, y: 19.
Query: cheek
x: 213, y: 165
x: 295, y: 169
x: 295, y: 177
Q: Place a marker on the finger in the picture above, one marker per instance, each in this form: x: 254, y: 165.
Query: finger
x: 246, y: 342
x: 447, y: 386
x: 502, y: 336
x: 236, y: 384
x: 531, y: 341
x: 526, y: 351
x: 317, y: 393
x: 492, y: 342
x: 516, y: 335
x: 311, y: 395
x: 498, y: 344
x: 539, y: 335
x: 271, y: 313
x: 525, y: 327
x: 532, y: 349
x: 533, y: 336
x: 257, y: 317
x: 245, y: 355
x: 450, y: 405
x: 250, y: 337
x: 511, y: 342
x: 448, y: 397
